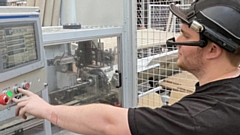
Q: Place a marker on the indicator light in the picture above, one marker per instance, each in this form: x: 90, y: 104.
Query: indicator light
x: 9, y: 94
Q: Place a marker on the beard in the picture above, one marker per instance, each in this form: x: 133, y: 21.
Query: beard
x: 192, y: 63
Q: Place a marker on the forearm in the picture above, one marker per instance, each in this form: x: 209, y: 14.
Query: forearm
x: 90, y: 119
x: 94, y: 119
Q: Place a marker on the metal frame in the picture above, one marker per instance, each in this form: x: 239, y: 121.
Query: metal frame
x: 56, y: 35
x: 127, y: 42
x: 129, y: 52
x: 149, y: 24
x: 46, y: 123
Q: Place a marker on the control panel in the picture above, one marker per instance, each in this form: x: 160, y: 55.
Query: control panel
x: 34, y: 81
x: 22, y: 63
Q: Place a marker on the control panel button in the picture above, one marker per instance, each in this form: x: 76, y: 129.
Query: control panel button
x: 4, y: 99
x: 15, y: 89
x: 9, y: 93
x: 26, y: 85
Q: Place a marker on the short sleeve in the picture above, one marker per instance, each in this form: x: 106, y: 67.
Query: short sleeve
x: 168, y: 120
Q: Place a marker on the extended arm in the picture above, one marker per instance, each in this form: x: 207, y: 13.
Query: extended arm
x: 86, y: 119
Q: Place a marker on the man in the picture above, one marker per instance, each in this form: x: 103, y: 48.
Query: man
x: 208, y: 48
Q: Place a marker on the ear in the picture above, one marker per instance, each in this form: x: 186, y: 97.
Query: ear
x: 213, y: 51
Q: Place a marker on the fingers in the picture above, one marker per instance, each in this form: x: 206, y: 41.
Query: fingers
x: 15, y: 100
x: 18, y: 108
x: 25, y: 92
x: 21, y: 109
x: 20, y: 105
x: 26, y: 104
x: 23, y: 113
x: 19, y: 100
x: 17, y: 111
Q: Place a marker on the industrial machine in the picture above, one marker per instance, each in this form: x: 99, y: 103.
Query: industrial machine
x: 22, y: 56
x: 82, y: 70
x: 21, y: 60
x: 63, y: 66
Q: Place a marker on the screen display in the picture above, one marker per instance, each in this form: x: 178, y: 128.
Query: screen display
x: 17, y: 45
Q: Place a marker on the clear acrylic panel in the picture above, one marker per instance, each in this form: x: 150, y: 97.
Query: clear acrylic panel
x: 83, y: 72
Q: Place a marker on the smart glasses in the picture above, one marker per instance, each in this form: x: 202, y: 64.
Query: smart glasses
x: 172, y: 41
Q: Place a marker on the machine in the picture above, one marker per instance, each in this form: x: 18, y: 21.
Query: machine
x: 81, y: 71
x: 63, y: 66
x: 22, y: 56
x: 22, y: 63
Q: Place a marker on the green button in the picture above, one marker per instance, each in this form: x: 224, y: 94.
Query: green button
x: 9, y: 94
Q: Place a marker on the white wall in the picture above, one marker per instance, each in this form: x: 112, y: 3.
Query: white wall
x: 99, y: 12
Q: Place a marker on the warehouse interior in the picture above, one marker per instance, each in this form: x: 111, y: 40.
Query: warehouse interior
x: 86, y: 53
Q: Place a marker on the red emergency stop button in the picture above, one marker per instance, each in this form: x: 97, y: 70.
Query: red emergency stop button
x: 26, y: 85
x: 4, y: 99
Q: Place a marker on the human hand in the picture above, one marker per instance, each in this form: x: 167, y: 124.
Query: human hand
x: 31, y: 104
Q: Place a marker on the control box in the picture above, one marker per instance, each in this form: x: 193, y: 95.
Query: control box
x: 22, y: 63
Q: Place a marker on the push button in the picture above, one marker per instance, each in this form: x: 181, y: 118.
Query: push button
x: 15, y: 89
x: 26, y: 85
x: 9, y: 94
x: 4, y: 99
